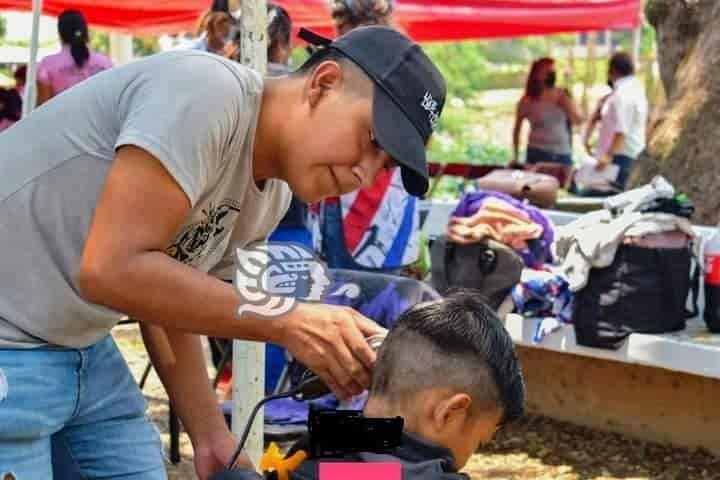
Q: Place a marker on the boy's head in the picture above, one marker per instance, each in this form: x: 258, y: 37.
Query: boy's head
x: 367, y: 99
x: 449, y: 369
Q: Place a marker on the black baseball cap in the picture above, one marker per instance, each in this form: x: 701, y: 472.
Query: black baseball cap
x: 409, y: 94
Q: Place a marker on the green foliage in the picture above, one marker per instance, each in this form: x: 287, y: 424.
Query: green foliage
x: 298, y: 57
x: 142, y: 46
x: 100, y: 42
x: 463, y: 64
x: 145, y: 46
x: 454, y: 141
x: 647, y: 40
x: 3, y: 27
x: 515, y: 51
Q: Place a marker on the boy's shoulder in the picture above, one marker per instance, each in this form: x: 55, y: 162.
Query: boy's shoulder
x: 419, y: 460
x: 429, y: 470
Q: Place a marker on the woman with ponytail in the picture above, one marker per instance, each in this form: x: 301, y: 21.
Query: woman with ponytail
x: 74, y: 63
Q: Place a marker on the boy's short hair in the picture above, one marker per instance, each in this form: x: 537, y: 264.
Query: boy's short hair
x: 458, y: 343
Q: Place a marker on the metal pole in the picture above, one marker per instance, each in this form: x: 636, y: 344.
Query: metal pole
x: 121, y: 48
x: 249, y: 357
x: 31, y: 82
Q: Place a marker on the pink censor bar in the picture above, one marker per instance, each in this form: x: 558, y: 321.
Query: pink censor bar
x: 360, y: 471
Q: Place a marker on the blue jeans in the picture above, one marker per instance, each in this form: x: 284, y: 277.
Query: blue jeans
x: 74, y: 414
x: 625, y: 163
x: 536, y: 155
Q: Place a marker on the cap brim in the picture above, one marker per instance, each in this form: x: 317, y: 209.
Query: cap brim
x: 401, y: 140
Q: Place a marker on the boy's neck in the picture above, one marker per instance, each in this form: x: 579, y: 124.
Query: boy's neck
x: 377, y: 407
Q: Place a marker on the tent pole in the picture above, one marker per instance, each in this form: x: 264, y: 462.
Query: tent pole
x: 121, y: 48
x: 249, y: 357
x: 31, y: 82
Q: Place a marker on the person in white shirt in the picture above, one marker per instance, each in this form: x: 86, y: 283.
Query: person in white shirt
x: 623, y: 119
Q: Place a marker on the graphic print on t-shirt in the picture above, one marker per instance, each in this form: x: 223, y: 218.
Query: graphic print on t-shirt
x: 200, y: 238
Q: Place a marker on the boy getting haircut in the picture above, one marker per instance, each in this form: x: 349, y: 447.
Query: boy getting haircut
x: 450, y: 370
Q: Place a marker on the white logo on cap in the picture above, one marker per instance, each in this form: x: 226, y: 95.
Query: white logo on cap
x: 430, y: 105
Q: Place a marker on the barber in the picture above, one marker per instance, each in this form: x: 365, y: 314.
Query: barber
x: 120, y: 194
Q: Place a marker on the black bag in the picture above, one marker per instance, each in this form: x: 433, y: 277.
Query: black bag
x: 490, y: 267
x: 644, y: 290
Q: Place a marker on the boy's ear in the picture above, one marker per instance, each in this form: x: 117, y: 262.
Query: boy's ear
x: 452, y: 410
x: 326, y: 76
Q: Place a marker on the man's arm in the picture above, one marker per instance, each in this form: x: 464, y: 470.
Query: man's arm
x: 588, y: 134
x: 179, y: 361
x: 44, y: 93
x: 615, y: 147
x: 619, y: 114
x: 571, y: 110
x: 519, y: 116
x: 594, y: 120
x: 124, y: 267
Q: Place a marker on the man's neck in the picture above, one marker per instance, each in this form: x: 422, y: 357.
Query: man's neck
x: 269, y: 148
x: 621, y: 80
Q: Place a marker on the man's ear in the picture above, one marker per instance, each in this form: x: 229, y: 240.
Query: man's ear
x: 452, y: 410
x: 326, y: 77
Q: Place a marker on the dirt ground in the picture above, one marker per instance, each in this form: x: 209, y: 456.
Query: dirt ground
x: 534, y: 448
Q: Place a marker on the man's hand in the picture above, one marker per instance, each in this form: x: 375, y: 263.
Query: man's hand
x: 230, y: 50
x: 213, y: 454
x: 588, y: 147
x: 603, y: 162
x: 331, y: 341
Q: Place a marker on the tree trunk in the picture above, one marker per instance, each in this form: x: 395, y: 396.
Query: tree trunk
x: 684, y: 141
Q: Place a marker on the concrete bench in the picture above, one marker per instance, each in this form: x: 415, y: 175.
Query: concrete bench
x: 656, y: 387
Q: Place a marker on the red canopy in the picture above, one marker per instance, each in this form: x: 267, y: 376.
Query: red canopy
x: 434, y: 20
x: 424, y: 20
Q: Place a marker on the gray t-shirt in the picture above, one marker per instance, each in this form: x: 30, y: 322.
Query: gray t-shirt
x: 548, y: 126
x: 196, y: 113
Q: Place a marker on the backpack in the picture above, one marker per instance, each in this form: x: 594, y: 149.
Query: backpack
x: 644, y: 290
x: 490, y: 267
